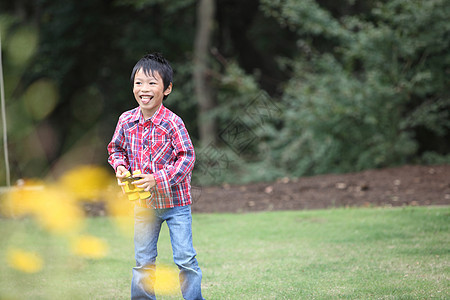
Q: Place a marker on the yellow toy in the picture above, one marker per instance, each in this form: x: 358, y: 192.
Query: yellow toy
x: 132, y: 191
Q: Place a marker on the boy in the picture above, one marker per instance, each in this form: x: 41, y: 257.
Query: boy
x: 154, y: 140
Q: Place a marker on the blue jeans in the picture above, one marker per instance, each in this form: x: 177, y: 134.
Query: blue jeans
x: 147, y: 225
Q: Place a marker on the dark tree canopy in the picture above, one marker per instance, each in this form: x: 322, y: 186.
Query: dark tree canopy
x: 355, y: 84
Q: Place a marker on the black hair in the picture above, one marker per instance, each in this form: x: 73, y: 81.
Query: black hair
x: 150, y: 63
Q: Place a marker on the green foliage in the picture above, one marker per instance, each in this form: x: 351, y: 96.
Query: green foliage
x: 85, y: 52
x: 335, y: 124
x: 246, y: 118
x: 217, y: 162
x: 304, y: 17
x: 433, y: 158
x: 360, y: 84
x: 235, y: 90
x: 360, y: 104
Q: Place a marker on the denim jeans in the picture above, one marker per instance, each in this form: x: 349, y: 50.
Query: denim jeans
x: 147, y: 226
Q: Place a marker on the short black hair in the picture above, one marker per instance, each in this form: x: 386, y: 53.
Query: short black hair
x: 152, y: 62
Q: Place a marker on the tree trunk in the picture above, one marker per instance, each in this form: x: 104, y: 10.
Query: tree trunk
x: 203, y: 89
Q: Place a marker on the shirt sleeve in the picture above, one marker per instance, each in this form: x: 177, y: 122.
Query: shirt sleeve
x: 173, y: 174
x: 117, y: 148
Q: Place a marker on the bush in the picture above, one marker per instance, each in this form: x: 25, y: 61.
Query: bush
x: 362, y: 102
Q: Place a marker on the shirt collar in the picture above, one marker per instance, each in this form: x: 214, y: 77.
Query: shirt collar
x: 155, y: 119
x: 158, y: 116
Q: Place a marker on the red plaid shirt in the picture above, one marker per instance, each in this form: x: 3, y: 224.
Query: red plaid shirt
x: 160, y: 146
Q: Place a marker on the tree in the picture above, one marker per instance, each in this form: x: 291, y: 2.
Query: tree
x: 202, y: 78
x: 362, y: 101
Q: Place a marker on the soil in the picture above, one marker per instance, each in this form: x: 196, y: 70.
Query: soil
x: 402, y: 186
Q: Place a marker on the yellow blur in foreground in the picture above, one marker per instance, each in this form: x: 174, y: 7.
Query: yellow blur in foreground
x: 24, y: 261
x: 22, y: 200
x: 121, y: 211
x: 57, y: 207
x: 89, y: 247
x: 54, y: 209
x: 166, y: 280
x: 87, y: 183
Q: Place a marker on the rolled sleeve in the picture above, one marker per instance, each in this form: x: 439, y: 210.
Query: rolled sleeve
x: 117, y: 148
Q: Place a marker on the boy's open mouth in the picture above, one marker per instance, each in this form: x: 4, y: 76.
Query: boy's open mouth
x: 146, y: 98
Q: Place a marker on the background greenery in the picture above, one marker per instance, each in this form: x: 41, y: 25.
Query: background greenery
x: 372, y: 253
x: 354, y: 84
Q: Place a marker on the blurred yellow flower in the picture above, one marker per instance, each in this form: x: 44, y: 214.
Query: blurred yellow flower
x: 118, y: 205
x: 166, y: 280
x: 89, y: 247
x: 57, y: 211
x: 87, y: 182
x: 24, y: 261
x: 21, y: 200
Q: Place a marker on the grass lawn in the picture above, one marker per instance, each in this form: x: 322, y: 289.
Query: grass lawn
x: 373, y: 253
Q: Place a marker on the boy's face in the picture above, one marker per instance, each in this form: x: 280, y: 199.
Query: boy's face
x: 149, y: 92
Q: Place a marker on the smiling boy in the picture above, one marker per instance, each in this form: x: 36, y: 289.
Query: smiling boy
x: 154, y: 140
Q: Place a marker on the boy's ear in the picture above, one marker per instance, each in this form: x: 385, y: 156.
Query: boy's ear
x: 168, y: 90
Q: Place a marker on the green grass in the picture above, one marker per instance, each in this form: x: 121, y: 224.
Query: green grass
x: 376, y: 253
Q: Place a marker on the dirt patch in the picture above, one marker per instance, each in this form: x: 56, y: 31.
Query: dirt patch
x: 407, y: 185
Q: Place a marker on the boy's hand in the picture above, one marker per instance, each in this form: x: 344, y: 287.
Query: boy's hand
x: 145, y: 181
x: 120, y: 174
